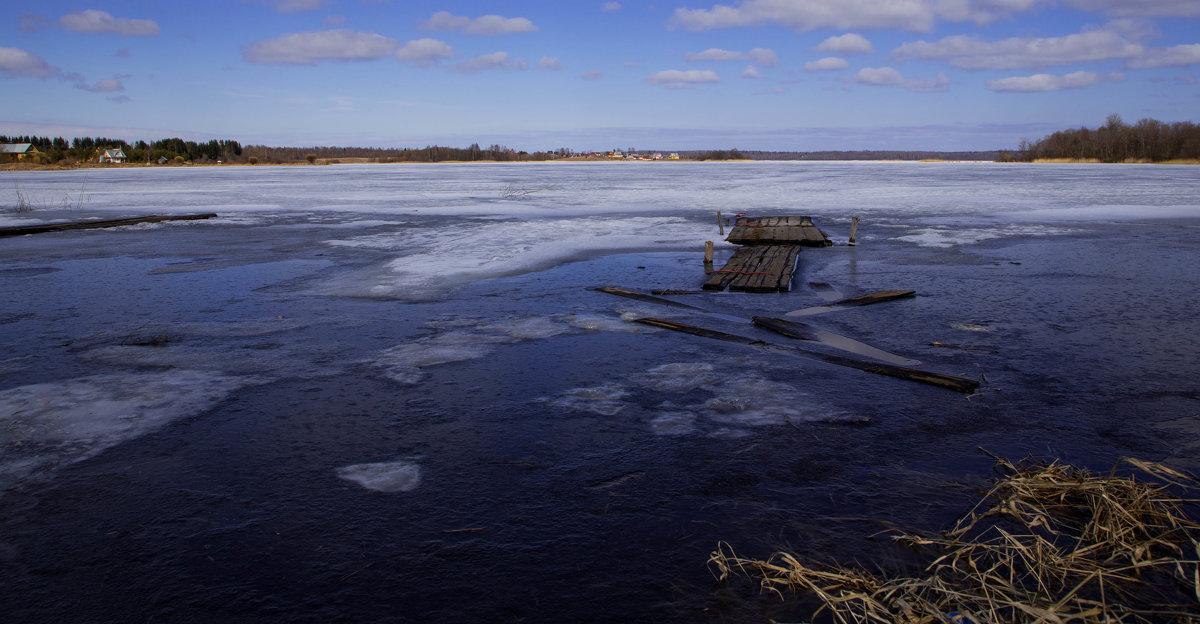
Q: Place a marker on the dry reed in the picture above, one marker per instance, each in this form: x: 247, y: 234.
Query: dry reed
x: 1048, y: 543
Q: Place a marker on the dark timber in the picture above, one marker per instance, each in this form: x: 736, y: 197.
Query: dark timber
x: 767, y: 258
x: 949, y: 382
x: 21, y: 230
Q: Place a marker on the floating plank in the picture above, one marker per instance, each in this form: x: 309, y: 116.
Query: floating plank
x: 757, y: 268
x: 861, y: 300
x: 20, y: 230
x: 949, y: 382
x: 791, y: 329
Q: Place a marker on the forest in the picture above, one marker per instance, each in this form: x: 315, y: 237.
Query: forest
x: 1148, y: 140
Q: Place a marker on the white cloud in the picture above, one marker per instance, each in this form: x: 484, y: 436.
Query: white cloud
x: 550, y: 63
x: 108, y: 85
x: 889, y: 77
x: 424, y: 52
x: 17, y: 62
x: 310, y: 48
x: 1140, y: 8
x: 1175, y: 56
x: 831, y: 63
x: 591, y: 75
x: 750, y: 72
x: 611, y: 6
x: 1047, y: 82
x: 982, y: 12
x: 485, y: 25
x: 495, y: 60
x: 969, y: 52
x: 806, y: 15
x: 92, y: 21
x: 714, y: 54
x: 680, y: 79
x: 761, y: 57
x: 849, y: 43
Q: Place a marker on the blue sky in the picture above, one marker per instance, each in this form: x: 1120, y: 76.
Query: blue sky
x: 794, y: 75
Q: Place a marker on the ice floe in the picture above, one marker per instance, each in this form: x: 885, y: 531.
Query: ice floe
x: 45, y: 426
x: 396, y: 476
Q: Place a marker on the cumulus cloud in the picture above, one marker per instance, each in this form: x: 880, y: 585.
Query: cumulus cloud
x: 486, y: 25
x: 969, y: 52
x: 93, y: 21
x: 849, y: 43
x: 889, y: 77
x: 1047, y: 82
x: 680, y: 79
x: 831, y: 63
x: 750, y: 72
x: 982, y: 12
x: 424, y: 52
x: 761, y: 57
x: 1140, y: 8
x: 495, y: 60
x: 1175, y: 56
x: 550, y: 63
x: 108, y: 85
x: 806, y: 15
x: 15, y: 62
x: 611, y: 6
x: 310, y: 48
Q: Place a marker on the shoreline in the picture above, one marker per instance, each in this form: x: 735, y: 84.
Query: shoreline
x: 19, y: 166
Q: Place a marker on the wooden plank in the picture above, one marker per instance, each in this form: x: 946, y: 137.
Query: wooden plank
x: 21, y: 230
x: 949, y: 382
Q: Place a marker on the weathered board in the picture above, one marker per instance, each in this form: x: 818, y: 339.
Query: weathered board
x: 777, y: 230
x: 21, y: 230
x: 757, y: 268
x: 949, y: 382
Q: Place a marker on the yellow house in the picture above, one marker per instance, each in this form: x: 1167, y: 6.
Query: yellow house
x: 18, y: 150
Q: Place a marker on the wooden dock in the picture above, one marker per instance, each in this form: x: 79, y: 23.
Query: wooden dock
x: 767, y: 259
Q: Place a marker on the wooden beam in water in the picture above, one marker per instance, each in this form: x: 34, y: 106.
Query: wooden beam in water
x: 949, y: 382
x: 21, y: 230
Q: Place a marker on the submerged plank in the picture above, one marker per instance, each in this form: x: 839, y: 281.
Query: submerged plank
x: 949, y: 382
x: 861, y: 300
x: 20, y: 230
x: 756, y: 268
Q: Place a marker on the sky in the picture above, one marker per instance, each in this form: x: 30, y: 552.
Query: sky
x: 788, y: 75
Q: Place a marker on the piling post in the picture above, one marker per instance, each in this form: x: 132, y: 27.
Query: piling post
x: 708, y: 255
x: 853, y: 229
x: 720, y: 224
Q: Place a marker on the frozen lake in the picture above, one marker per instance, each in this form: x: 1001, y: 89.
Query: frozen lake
x: 388, y: 392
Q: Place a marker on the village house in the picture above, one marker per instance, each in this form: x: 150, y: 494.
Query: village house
x: 18, y: 151
x: 112, y: 156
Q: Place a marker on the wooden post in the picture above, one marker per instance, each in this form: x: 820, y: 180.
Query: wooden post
x: 720, y: 223
x: 708, y: 254
x: 853, y: 228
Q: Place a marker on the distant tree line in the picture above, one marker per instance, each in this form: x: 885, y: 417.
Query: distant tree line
x: 1148, y: 140
x: 81, y: 149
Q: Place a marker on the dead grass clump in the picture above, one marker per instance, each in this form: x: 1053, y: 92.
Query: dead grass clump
x: 1048, y: 543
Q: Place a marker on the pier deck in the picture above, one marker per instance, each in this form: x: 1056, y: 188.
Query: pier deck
x: 767, y: 259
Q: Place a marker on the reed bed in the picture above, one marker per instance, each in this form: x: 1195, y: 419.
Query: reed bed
x: 1049, y: 542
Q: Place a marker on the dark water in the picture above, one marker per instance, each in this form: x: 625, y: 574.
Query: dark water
x: 568, y: 474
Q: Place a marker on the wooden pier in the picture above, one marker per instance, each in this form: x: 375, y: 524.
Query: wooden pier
x: 767, y: 259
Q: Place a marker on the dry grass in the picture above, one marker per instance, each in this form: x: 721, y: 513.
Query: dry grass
x: 1048, y: 543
